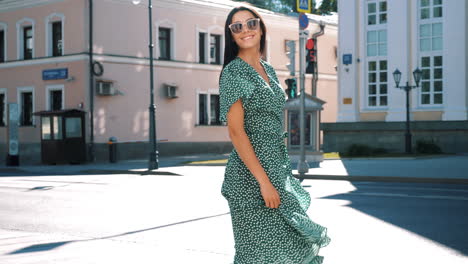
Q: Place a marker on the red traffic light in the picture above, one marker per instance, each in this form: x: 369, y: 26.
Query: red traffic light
x: 310, y: 44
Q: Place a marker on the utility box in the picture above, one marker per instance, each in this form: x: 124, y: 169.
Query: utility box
x: 63, y: 136
x: 313, y: 107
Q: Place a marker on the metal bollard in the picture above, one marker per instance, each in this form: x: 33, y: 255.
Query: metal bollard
x: 112, y: 149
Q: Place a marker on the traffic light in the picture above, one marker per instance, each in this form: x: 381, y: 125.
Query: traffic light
x: 291, y: 91
x: 310, y: 55
x: 291, y: 53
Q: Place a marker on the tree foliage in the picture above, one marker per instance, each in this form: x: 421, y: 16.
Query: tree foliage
x: 280, y: 6
x: 288, y: 6
x: 328, y: 6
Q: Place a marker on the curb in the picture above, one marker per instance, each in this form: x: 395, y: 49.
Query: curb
x: 162, y: 172
x: 12, y: 170
x: 134, y: 172
x: 384, y: 179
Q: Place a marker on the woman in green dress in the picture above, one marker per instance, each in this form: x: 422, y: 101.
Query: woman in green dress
x: 268, y: 205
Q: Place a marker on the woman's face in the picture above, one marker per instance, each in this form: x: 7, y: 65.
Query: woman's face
x: 247, y: 38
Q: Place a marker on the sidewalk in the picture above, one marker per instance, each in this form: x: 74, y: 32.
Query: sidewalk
x: 120, y: 167
x: 430, y: 169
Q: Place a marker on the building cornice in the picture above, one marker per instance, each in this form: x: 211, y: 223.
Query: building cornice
x: 221, y: 8
x: 138, y: 61
x: 41, y: 61
x: 12, y: 5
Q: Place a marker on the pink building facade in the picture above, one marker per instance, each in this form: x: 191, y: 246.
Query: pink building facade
x: 40, y: 37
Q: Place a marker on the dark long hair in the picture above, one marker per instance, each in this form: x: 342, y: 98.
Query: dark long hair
x: 230, y: 46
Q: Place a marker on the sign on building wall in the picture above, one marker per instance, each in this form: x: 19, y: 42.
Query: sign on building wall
x: 55, y: 74
x: 347, y: 100
x: 347, y: 59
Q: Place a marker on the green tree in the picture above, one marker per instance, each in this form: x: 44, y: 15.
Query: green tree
x: 328, y: 6
x: 280, y: 6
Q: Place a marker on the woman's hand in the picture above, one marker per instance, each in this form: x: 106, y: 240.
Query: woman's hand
x: 270, y: 195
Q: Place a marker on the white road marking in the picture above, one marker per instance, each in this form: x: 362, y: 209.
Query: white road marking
x: 417, y: 188
x: 410, y: 196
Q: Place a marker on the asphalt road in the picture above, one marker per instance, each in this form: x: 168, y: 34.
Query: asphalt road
x: 180, y: 217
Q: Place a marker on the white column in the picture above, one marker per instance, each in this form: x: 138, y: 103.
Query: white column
x: 454, y: 60
x: 401, y: 36
x: 348, y: 36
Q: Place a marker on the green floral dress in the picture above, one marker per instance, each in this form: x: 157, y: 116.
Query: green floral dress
x: 264, y: 235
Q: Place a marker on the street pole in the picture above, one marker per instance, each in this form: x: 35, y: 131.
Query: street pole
x: 91, y: 151
x: 408, y: 131
x: 303, y: 167
x: 417, y: 77
x: 153, y: 163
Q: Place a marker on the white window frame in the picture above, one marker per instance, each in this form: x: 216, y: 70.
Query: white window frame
x: 431, y: 37
x: 378, y: 43
x: 377, y: 12
x: 172, y: 38
x: 208, y: 105
x: 212, y: 60
x: 216, y: 30
x: 21, y: 90
x: 4, y: 91
x: 197, y: 46
x: 377, y: 58
x: 20, y: 25
x: 377, y: 83
x: 4, y: 28
x: 429, y: 21
x: 198, y: 107
x: 430, y: 53
x: 431, y: 10
x: 54, y: 17
x: 432, y: 92
x: 55, y: 87
x: 377, y: 28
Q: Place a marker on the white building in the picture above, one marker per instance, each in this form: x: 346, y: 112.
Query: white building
x: 375, y: 38
x: 382, y: 36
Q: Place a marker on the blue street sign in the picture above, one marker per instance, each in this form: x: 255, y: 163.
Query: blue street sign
x: 55, y: 74
x: 347, y: 59
x: 304, y: 6
x: 303, y: 21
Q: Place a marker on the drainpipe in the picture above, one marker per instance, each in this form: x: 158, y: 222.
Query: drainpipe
x: 91, y: 85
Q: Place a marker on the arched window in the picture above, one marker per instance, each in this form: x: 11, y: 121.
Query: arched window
x: 166, y: 39
x: 25, y: 29
x: 54, y: 41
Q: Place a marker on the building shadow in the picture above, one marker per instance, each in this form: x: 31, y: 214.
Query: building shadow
x: 51, y: 246
x: 438, y: 219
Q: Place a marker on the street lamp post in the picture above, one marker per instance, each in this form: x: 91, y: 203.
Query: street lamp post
x: 407, y: 88
x: 153, y: 162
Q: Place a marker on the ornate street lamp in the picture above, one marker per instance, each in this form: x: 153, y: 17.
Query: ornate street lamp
x: 153, y: 162
x: 407, y: 88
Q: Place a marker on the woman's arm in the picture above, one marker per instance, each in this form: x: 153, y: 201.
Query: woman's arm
x: 243, y: 146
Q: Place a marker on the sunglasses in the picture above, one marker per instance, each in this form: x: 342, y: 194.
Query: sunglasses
x: 252, y: 24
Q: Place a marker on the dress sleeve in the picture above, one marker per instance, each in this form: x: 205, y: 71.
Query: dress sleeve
x: 232, y: 88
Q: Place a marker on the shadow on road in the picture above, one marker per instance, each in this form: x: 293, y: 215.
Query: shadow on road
x: 87, y: 172
x: 438, y: 219
x: 54, y: 245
